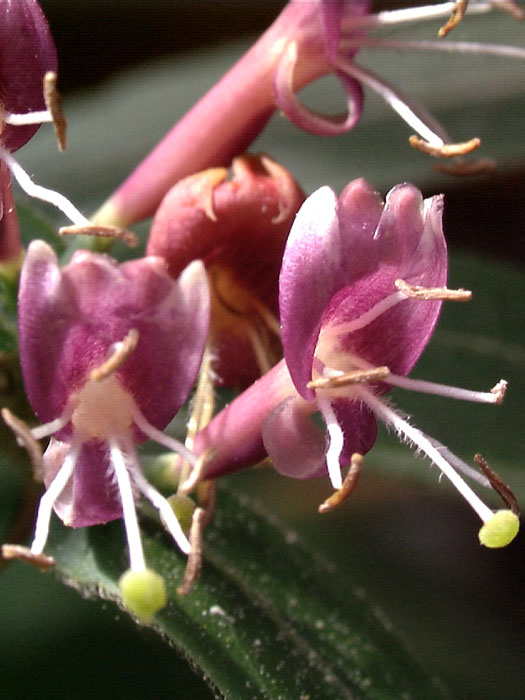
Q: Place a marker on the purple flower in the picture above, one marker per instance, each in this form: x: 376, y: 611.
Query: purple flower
x: 360, y: 293
x: 307, y: 41
x: 109, y: 353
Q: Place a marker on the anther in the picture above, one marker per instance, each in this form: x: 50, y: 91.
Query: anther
x: 499, y: 391
x: 194, y: 563
x: 53, y: 102
x: 358, y: 376
x: 115, y: 232
x: 447, y: 150
x: 427, y: 293
x: 458, y: 12
x: 117, y: 359
x: 26, y: 439
x: 349, y: 484
x: 16, y: 551
x: 508, y: 498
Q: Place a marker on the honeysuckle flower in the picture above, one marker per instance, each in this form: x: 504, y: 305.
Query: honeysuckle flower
x: 307, y: 41
x: 109, y: 353
x: 360, y: 293
x: 238, y: 228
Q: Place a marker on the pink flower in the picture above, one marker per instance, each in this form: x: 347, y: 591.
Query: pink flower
x: 109, y: 353
x: 360, y: 291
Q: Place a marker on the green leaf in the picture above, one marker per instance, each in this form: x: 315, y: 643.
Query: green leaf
x: 269, y: 618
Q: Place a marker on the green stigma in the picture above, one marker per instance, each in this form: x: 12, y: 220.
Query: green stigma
x: 143, y: 592
x: 500, y: 530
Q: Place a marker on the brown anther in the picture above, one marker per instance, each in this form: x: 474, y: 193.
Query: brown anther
x: 198, y: 473
x: 53, y: 101
x: 447, y: 150
x: 499, y: 391
x: 16, y: 551
x: 510, y: 7
x: 26, y: 440
x: 508, y: 498
x: 458, y: 12
x: 117, y: 359
x: 429, y: 293
x: 473, y: 168
x: 349, y: 484
x: 194, y: 563
x: 358, y: 376
x: 115, y: 232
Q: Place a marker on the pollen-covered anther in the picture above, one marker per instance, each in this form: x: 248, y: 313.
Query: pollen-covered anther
x: 17, y: 551
x: 504, y: 491
x: 425, y: 293
x: 499, y: 391
x: 458, y: 12
x: 26, y: 440
x: 194, y: 563
x: 357, y: 376
x: 447, y: 150
x: 348, y: 486
x: 53, y: 101
x: 115, y: 232
x: 119, y: 355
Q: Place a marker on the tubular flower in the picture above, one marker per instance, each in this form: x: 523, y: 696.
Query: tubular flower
x: 307, y: 40
x: 360, y: 293
x: 109, y: 353
x: 238, y: 228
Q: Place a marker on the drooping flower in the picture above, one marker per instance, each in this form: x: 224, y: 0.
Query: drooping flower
x: 360, y: 293
x: 109, y: 353
x: 238, y: 228
x: 307, y: 41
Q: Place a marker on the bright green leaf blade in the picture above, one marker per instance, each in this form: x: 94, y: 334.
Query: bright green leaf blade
x: 268, y: 618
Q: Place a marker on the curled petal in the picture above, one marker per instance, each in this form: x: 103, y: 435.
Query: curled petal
x: 307, y: 119
x: 294, y: 443
x: 27, y: 53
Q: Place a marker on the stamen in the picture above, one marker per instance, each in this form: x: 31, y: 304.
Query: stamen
x: 349, y: 484
x: 463, y: 47
x: 158, y: 436
x: 50, y: 496
x: 510, y: 7
x: 198, y: 472
x: 26, y: 439
x: 114, y: 232
x: 53, y: 102
x: 413, y: 113
x: 357, y: 376
x: 458, y: 12
x: 166, y: 513
x: 494, y: 396
x: 269, y: 318
x: 259, y: 349
x: 415, y: 14
x: 121, y: 353
x: 194, y: 563
x: 448, y: 150
x: 508, y: 498
x: 46, y: 195
x: 416, y: 292
x: 336, y: 442
x: 482, y: 166
x: 136, y: 553
x: 17, y: 551
x: 206, y: 493
x: 421, y: 441
x: 366, y: 318
x: 42, y: 431
x: 460, y: 465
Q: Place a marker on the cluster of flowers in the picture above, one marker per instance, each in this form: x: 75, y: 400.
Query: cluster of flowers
x: 238, y: 274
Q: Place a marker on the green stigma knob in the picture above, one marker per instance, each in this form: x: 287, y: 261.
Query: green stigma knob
x: 143, y: 592
x: 500, y: 530
x: 183, y: 507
